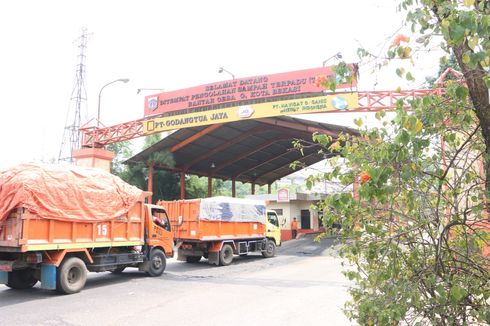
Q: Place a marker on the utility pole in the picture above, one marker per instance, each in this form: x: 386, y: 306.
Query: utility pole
x: 78, y: 101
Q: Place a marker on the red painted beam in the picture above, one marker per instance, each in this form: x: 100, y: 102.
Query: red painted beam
x: 99, y: 137
x: 245, y: 154
x: 195, y: 137
x: 260, y: 164
x: 374, y: 101
x: 297, y: 126
x: 269, y: 171
x: 168, y: 168
x: 225, y: 145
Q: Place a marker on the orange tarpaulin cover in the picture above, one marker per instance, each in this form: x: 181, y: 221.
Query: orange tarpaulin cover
x: 69, y: 193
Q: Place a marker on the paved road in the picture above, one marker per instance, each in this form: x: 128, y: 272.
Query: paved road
x: 302, y: 285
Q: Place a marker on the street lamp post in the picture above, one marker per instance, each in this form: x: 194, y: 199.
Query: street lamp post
x: 124, y: 80
x: 337, y: 56
x: 221, y: 69
x: 139, y: 90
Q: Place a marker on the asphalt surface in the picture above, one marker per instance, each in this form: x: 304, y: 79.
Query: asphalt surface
x: 302, y: 284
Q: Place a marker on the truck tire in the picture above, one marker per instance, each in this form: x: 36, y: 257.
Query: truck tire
x: 21, y: 279
x: 71, y: 276
x: 192, y: 259
x: 226, y: 255
x: 270, y: 249
x: 158, y: 263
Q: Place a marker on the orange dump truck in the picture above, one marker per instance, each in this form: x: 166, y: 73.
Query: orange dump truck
x: 57, y: 223
x: 217, y: 228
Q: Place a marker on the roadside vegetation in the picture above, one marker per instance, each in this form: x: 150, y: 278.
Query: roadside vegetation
x: 416, y: 230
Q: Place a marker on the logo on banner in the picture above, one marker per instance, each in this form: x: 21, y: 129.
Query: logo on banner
x: 245, y: 111
x: 153, y: 103
x: 340, y: 103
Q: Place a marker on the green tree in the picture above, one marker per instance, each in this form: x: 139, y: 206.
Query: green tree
x: 465, y: 27
x: 151, y: 140
x: 166, y: 185
x: 415, y: 231
x: 245, y: 189
x: 122, y: 151
x: 196, y: 187
x: 462, y: 28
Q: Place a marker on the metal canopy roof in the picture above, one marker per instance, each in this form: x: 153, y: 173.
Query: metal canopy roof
x: 258, y: 151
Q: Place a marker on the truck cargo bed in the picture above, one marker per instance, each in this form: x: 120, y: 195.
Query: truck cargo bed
x: 186, y: 223
x: 23, y: 231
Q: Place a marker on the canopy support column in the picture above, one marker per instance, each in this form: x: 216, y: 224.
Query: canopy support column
x: 253, y: 188
x: 182, y: 185
x: 210, y: 187
x: 150, y: 181
x: 233, y: 188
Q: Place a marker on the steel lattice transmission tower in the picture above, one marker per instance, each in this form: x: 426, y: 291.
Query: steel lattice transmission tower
x: 78, y: 100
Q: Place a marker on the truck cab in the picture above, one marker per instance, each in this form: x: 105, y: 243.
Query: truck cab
x: 159, y: 229
x: 273, y: 230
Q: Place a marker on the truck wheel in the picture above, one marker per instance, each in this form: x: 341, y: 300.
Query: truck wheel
x: 71, y: 276
x: 157, y: 263
x: 226, y: 255
x: 21, y: 279
x: 270, y: 249
x: 118, y: 270
x: 193, y: 259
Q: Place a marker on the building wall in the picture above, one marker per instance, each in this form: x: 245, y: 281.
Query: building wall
x: 293, y: 209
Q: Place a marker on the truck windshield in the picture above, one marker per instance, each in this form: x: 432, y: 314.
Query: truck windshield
x: 160, y: 218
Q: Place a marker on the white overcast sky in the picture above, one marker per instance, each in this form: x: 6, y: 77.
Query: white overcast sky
x: 170, y: 45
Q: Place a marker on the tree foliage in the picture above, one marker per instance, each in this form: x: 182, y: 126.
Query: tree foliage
x: 465, y: 27
x: 197, y: 187
x: 166, y: 185
x: 462, y: 29
x: 122, y: 151
x: 415, y: 230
